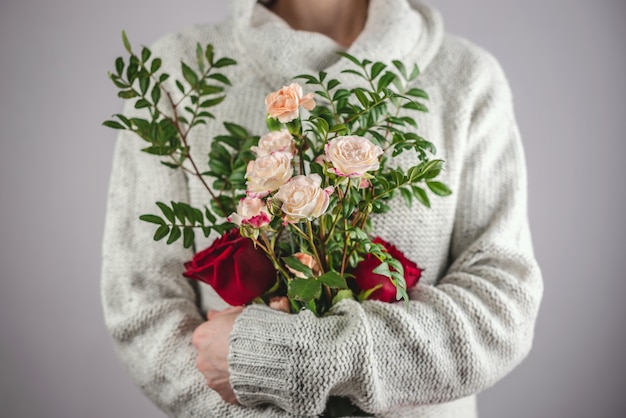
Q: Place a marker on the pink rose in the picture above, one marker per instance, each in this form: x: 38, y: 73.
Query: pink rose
x: 251, y: 211
x: 303, y: 198
x: 268, y: 173
x: 277, y: 141
x: 284, y: 104
x: 352, y: 156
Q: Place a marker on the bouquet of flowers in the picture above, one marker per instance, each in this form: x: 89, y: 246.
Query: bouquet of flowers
x: 293, y: 207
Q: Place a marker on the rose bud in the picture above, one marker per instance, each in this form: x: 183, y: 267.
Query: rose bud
x: 366, y: 279
x: 309, y: 261
x: 280, y: 303
x: 234, y: 268
x: 251, y: 211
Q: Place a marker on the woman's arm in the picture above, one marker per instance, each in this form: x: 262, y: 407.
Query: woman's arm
x: 457, y: 337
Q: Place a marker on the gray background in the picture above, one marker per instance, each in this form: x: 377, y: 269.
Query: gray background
x: 566, y: 62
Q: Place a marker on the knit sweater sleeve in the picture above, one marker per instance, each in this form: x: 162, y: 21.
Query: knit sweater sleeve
x: 149, y: 307
x: 456, y: 338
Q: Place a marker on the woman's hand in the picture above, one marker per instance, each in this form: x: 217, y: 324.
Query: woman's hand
x: 211, y: 339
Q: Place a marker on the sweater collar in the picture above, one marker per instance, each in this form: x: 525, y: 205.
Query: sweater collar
x: 407, y: 30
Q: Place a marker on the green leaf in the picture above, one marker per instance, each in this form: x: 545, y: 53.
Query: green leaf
x: 221, y: 78
x: 188, y: 236
x: 167, y: 211
x: 421, y: 196
x: 367, y: 293
x: 174, y: 235
x: 126, y: 43
x: 333, y: 280
x: 432, y: 169
x: 382, y: 269
x: 189, y: 74
x: 350, y: 57
x: 208, y: 53
x: 350, y: 71
x: 179, y: 211
x: 414, y: 174
x: 161, y: 232
x: 309, y: 78
x: 339, y: 128
x: 156, y: 94
x: 119, y: 66
x: 211, y: 218
x: 170, y: 165
x: 400, y: 66
x: 127, y: 94
x: 200, y: 57
x: 341, y: 295
x: 152, y: 219
x: 118, y: 82
x: 385, y: 81
x: 224, y: 62
x: 155, y: 65
x: 415, y: 92
x: 236, y: 130
x: 396, y: 266
x: 212, y: 102
x: 332, y: 84
x: 341, y: 94
x: 376, y: 69
x: 113, y: 124
x: 145, y: 54
x: 142, y: 103
x: 414, y: 73
x: 304, y: 290
x: 211, y: 89
x: 408, y: 197
x: 180, y: 86
x: 293, y: 262
x: 415, y: 106
x: 438, y: 188
x: 362, y: 97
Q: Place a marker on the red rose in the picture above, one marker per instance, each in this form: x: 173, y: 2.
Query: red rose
x: 366, y: 279
x: 237, y: 271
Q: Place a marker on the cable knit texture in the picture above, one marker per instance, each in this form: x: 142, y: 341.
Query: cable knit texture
x: 470, y: 319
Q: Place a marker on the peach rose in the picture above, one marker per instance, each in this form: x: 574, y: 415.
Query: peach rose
x: 281, y: 141
x: 268, y: 173
x: 352, y: 156
x: 303, y: 197
x: 251, y: 211
x: 284, y: 103
x: 280, y: 303
x: 308, y: 261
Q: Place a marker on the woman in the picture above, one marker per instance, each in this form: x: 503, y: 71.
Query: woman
x: 472, y: 315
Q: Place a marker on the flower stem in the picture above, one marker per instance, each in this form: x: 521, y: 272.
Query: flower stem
x: 320, y: 262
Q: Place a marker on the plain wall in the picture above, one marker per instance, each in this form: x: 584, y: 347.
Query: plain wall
x: 566, y: 62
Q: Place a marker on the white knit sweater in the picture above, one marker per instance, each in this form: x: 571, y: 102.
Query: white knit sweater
x: 472, y: 315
